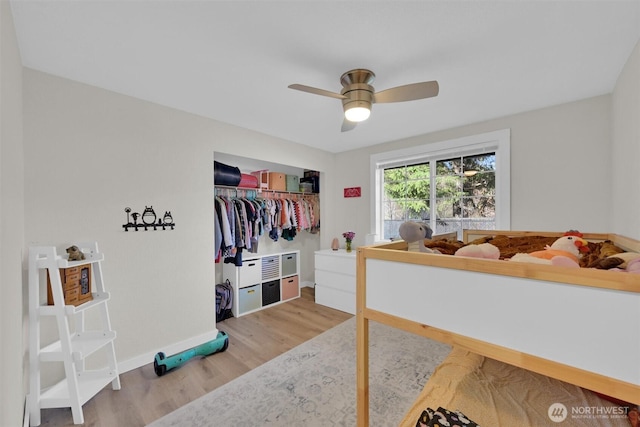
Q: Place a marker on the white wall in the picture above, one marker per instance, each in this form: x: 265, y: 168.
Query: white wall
x: 13, y: 354
x: 625, y: 203
x: 560, y: 168
x: 90, y: 153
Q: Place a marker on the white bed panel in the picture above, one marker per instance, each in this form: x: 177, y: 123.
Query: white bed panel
x: 556, y: 321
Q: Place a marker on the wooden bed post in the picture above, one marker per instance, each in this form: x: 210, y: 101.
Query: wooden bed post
x: 362, y: 343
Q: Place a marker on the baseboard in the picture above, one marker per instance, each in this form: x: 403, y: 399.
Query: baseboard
x: 307, y: 284
x: 146, y: 358
x: 26, y: 420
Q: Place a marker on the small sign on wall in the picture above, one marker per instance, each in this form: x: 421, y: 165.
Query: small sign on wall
x: 352, y: 192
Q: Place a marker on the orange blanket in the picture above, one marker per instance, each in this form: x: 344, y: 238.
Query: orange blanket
x: 492, y: 393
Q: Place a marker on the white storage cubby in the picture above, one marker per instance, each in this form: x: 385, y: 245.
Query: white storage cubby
x: 74, y: 343
x: 263, y: 281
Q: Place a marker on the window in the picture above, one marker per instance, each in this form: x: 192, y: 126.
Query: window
x: 453, y: 185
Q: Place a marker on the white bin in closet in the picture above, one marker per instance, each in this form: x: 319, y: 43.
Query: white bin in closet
x: 250, y: 273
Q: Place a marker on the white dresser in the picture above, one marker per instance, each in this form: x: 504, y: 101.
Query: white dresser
x: 336, y: 279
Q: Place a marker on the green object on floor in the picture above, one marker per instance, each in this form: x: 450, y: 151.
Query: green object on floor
x: 162, y: 364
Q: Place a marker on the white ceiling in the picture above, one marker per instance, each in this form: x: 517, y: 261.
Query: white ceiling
x: 233, y: 60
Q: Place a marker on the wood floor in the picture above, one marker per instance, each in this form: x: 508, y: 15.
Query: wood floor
x: 253, y: 340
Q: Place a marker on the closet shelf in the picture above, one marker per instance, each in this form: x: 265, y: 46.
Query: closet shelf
x: 265, y: 190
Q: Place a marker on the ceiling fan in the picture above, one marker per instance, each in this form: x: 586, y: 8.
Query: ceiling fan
x: 358, y: 95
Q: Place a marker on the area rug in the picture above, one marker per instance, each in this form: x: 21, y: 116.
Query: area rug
x: 314, y: 384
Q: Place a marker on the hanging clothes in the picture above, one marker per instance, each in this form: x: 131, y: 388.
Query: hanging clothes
x: 243, y: 220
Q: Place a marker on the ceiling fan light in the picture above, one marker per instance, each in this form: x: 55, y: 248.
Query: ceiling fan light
x: 357, y: 114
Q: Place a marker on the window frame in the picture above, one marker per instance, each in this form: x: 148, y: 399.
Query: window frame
x: 497, y: 141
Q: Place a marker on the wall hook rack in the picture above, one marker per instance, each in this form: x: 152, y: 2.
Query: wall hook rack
x: 148, y: 220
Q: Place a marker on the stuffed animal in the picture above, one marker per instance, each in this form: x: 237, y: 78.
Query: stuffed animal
x: 633, y: 266
x: 414, y: 233
x: 75, y: 254
x: 565, y: 251
x: 482, y: 250
x: 625, y: 261
x: 625, y: 258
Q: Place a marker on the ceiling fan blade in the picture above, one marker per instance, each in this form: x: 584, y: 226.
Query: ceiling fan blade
x: 408, y: 92
x: 348, y: 125
x: 317, y: 91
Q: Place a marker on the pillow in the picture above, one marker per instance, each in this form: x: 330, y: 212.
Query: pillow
x: 444, y: 418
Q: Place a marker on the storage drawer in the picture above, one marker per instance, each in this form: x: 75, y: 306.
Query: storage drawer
x: 270, y: 267
x: 70, y: 270
x: 293, y: 183
x: 340, y: 264
x: 290, y: 288
x: 270, y: 292
x: 289, y: 264
x: 334, y: 298
x: 277, y: 181
x: 338, y: 281
x: 250, y: 298
x: 71, y: 279
x: 249, y: 273
x: 71, y: 296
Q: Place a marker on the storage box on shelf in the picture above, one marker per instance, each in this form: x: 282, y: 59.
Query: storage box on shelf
x: 314, y: 181
x: 306, y: 187
x: 335, y: 277
x: 76, y: 285
x: 277, y: 181
x: 263, y: 280
x: 263, y: 178
x: 293, y: 183
x: 72, y: 348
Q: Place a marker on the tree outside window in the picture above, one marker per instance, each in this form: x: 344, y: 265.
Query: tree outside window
x: 460, y: 194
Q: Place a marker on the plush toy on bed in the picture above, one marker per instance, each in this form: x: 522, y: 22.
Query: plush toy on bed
x: 625, y: 261
x: 414, y: 233
x: 566, y: 252
x: 482, y: 250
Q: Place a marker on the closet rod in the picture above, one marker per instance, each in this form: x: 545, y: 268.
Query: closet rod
x: 250, y: 193
x: 264, y: 192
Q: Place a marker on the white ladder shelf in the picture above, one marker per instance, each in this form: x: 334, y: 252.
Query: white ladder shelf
x: 79, y: 385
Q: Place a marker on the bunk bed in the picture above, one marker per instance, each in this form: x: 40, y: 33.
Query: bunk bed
x: 578, y: 326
